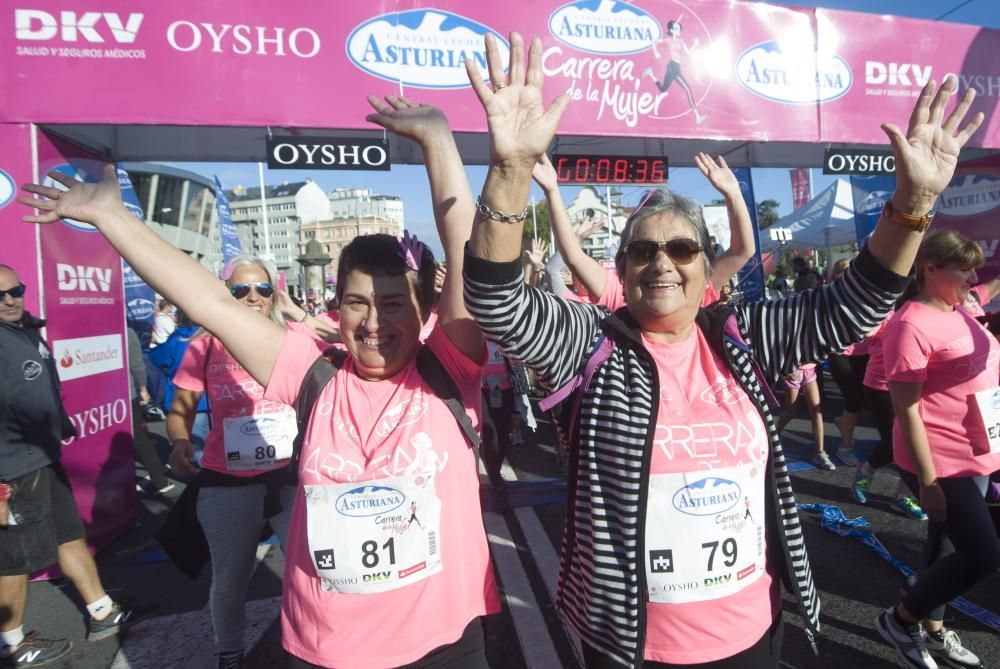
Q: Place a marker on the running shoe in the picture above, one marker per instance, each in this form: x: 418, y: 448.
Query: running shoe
x: 908, y: 506
x: 910, y: 641
x: 165, y: 489
x: 35, y: 651
x: 947, y: 647
x: 861, y: 486
x: 121, y: 618
x: 823, y: 461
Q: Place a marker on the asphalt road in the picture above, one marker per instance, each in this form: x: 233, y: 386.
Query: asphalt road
x: 855, y: 582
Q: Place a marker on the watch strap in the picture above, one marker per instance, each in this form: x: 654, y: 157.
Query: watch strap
x: 909, y: 221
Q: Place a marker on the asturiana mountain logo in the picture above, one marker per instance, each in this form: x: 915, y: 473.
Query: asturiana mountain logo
x: 707, y: 497
x: 369, y: 500
x: 970, y: 194
x: 422, y: 48
x: 604, y: 26
x: 793, y: 74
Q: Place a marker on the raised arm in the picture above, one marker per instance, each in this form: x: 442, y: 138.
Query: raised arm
x: 586, y: 269
x: 520, y: 131
x: 452, y: 201
x: 925, y: 163
x: 809, y: 326
x: 252, y: 339
x: 741, y: 241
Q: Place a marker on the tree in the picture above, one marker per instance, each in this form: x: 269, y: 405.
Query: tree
x: 767, y: 213
x: 541, y: 214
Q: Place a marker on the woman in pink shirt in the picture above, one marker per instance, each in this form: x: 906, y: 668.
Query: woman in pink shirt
x: 943, y: 368
x: 387, y: 562
x: 249, y: 444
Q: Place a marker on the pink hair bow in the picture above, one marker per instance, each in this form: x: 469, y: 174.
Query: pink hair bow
x: 412, y: 250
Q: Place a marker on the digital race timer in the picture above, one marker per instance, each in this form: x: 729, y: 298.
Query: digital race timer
x: 579, y: 169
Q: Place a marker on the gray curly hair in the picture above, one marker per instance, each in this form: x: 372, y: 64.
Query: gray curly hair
x: 659, y: 202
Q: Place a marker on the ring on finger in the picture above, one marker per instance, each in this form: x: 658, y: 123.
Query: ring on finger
x: 499, y: 86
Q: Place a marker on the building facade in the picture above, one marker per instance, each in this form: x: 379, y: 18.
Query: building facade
x: 362, y: 203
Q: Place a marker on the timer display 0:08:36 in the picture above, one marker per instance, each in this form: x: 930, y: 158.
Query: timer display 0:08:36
x: 578, y: 169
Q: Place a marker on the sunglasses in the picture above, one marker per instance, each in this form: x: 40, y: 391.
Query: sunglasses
x: 15, y: 292
x: 241, y: 290
x: 680, y: 251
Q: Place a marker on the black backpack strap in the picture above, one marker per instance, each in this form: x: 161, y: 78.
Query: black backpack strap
x: 434, y: 375
x: 316, y: 379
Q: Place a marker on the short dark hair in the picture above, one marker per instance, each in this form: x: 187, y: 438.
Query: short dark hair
x: 381, y: 255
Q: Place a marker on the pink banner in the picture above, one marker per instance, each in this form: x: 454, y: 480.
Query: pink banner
x: 653, y: 68
x: 801, y: 187
x: 20, y: 240
x: 971, y: 205
x: 84, y: 306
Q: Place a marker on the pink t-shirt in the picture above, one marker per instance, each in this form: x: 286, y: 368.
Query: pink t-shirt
x: 954, y: 357
x: 875, y: 370
x: 429, y: 326
x: 613, y: 297
x: 710, y: 444
x: 375, y: 434
x: 232, y: 393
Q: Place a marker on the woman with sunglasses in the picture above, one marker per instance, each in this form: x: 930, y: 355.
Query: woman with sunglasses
x: 603, y: 286
x: 403, y: 588
x: 248, y: 445
x: 681, y: 520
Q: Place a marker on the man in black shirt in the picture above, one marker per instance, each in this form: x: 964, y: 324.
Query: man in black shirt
x: 39, y: 520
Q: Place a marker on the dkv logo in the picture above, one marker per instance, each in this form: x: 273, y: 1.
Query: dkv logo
x: 80, y: 174
x: 369, y: 501
x: 40, y: 26
x: 970, y: 195
x: 707, y: 497
x: 777, y: 72
x: 606, y: 26
x: 83, y: 278
x: 423, y: 48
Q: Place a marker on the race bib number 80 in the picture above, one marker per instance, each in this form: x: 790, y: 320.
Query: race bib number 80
x: 374, y: 536
x: 259, y: 442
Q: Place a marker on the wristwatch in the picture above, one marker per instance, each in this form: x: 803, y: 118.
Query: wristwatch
x: 908, y: 221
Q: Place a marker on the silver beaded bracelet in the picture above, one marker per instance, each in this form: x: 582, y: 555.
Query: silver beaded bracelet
x: 499, y: 216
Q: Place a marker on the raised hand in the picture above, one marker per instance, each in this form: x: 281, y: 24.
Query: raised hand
x: 87, y: 202
x: 534, y: 255
x: 407, y: 118
x: 589, y: 228
x: 544, y: 174
x: 718, y: 173
x: 926, y: 156
x: 520, y: 127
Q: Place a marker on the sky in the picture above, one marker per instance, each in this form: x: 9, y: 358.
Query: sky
x: 410, y: 183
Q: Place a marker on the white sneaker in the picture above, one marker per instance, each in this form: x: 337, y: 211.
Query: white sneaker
x: 823, y: 461
x: 948, y: 648
x: 910, y: 642
x: 648, y: 72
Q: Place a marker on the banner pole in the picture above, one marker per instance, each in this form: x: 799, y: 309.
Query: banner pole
x: 263, y: 209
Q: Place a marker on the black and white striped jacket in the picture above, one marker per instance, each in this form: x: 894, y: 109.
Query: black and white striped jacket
x: 602, y: 590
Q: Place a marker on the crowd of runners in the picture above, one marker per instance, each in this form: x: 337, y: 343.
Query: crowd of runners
x: 355, y: 436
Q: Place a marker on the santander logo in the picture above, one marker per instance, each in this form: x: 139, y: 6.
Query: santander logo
x: 422, y: 48
x: 66, y: 361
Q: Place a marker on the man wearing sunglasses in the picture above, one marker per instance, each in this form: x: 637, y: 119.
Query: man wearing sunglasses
x: 39, y: 521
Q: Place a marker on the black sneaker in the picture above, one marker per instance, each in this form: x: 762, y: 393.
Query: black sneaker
x: 120, y: 619
x: 35, y: 651
x: 910, y: 641
x: 231, y: 660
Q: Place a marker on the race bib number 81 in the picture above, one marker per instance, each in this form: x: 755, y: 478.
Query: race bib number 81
x: 374, y: 536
